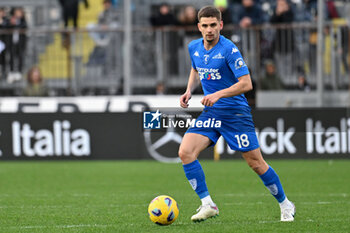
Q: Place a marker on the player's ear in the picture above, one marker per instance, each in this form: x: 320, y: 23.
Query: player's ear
x: 221, y: 24
x: 199, y: 26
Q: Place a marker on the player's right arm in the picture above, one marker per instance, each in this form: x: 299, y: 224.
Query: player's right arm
x: 193, y: 82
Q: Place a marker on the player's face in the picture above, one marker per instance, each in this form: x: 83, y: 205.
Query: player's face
x: 210, y: 28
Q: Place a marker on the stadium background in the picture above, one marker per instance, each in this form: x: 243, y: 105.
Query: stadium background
x: 98, y: 78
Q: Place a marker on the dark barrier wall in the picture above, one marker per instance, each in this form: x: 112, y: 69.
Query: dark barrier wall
x: 72, y: 136
x: 85, y: 136
x: 301, y: 133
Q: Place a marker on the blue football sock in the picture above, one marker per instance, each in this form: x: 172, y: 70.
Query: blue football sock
x: 195, y: 176
x: 273, y: 183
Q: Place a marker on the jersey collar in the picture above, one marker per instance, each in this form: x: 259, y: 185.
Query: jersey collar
x: 208, y: 51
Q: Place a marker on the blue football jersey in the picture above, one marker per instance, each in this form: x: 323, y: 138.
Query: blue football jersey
x: 219, y: 68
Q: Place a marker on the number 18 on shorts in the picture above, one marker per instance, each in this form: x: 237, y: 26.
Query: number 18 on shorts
x: 241, y: 141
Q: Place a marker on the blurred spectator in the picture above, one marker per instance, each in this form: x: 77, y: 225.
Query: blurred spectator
x: 313, y: 50
x: 344, y: 49
x: 70, y: 10
x: 108, y: 18
x: 115, y: 3
x: 35, y: 85
x: 271, y: 80
x: 302, y: 83
x: 250, y: 14
x: 235, y: 8
x: 311, y: 8
x: 332, y: 12
x: 188, y: 16
x: 283, y: 14
x: 3, y: 18
x: 102, y: 55
x: 163, y: 17
x: 328, y: 48
x: 160, y: 89
x: 283, y: 42
x: 222, y: 5
x: 4, y: 23
x: 17, y: 44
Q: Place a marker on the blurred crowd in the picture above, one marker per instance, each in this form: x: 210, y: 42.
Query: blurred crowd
x: 246, y: 13
x: 276, y: 49
x: 12, y: 43
x: 14, y: 39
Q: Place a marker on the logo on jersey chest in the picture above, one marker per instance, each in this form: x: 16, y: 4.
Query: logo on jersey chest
x: 218, y: 56
x: 206, y: 57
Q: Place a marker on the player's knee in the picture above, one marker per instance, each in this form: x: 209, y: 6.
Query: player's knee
x: 186, y: 155
x: 183, y: 154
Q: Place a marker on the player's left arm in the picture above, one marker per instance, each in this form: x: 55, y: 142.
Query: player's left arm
x: 243, y: 85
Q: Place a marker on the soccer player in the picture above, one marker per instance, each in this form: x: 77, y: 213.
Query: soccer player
x: 224, y: 77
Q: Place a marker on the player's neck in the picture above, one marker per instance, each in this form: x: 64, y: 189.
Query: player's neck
x: 210, y: 45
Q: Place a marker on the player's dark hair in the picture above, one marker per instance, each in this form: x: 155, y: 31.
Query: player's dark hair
x: 209, y: 11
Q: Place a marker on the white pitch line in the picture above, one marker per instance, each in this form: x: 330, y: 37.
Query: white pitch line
x: 72, y: 195
x: 324, y: 202
x: 68, y: 206
x: 59, y: 226
x: 289, y: 194
x: 304, y: 220
x: 298, y: 203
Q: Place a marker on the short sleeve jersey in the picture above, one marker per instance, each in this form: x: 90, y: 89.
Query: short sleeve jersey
x: 219, y: 68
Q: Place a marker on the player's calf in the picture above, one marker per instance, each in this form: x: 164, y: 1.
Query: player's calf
x: 255, y: 161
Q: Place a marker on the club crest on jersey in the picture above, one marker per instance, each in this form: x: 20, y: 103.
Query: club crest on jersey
x: 239, y: 63
x: 206, y: 58
x: 218, y: 56
x: 196, y: 54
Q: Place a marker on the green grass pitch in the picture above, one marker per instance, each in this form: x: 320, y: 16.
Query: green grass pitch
x: 113, y: 196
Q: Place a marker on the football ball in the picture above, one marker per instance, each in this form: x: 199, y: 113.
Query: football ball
x: 163, y: 210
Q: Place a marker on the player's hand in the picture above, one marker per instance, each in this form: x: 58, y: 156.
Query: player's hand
x: 210, y: 100
x: 184, y: 99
